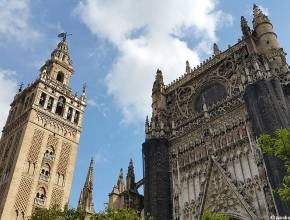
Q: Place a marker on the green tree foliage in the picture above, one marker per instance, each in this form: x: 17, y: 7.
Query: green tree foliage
x: 207, y: 215
x: 55, y: 213
x: 279, y: 145
x: 117, y: 214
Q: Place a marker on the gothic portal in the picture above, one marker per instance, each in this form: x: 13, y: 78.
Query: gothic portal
x: 200, y: 151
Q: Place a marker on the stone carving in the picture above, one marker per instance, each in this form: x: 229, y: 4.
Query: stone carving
x: 58, y: 125
x: 35, y: 146
x: 57, y: 196
x: 23, y: 194
x: 64, y: 158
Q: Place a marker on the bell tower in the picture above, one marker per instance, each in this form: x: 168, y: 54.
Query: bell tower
x: 40, y: 140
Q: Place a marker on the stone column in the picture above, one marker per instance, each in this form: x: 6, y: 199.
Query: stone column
x: 73, y: 115
x: 157, y: 190
x: 268, y: 111
x: 65, y: 112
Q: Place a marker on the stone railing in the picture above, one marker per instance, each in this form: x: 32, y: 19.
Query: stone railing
x: 39, y: 201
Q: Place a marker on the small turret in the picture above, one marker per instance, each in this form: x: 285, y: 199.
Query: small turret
x: 158, y: 98
x: 263, y: 31
x: 266, y: 41
x: 130, y: 179
x: 158, y: 83
x: 187, y: 67
x: 216, y: 50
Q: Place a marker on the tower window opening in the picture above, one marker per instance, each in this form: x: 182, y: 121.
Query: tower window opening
x: 40, y: 197
x: 60, y: 106
x: 49, y: 153
x: 42, y: 99
x: 60, y: 77
x: 45, y: 172
x: 69, y: 113
x: 50, y: 103
x: 76, y: 118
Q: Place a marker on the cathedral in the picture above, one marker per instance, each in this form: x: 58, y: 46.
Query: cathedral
x: 200, y: 151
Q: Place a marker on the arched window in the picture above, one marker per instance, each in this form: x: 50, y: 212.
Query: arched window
x: 40, y: 197
x: 76, y: 118
x: 45, y: 172
x: 60, y: 106
x: 210, y: 95
x: 60, y: 76
x: 49, y: 153
x: 42, y: 99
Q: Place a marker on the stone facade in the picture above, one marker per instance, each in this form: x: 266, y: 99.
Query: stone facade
x: 40, y: 140
x: 201, y: 147
x: 126, y: 196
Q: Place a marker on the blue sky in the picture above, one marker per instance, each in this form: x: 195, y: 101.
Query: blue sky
x: 116, y: 47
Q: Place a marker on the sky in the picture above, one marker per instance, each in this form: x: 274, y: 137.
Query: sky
x: 116, y: 47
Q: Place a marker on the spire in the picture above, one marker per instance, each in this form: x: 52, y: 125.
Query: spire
x: 130, y: 179
x: 61, y: 52
x: 259, y: 16
x: 216, y: 49
x: 245, y: 27
x: 59, y: 67
x: 89, y: 179
x: 86, y: 197
x: 120, y: 182
x: 146, y: 124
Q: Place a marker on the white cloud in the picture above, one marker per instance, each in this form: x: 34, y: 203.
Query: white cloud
x: 100, y: 157
x: 8, y: 90
x: 100, y: 106
x: 14, y: 21
x: 149, y: 35
x: 92, y: 103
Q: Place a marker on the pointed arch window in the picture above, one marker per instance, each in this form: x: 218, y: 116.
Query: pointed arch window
x: 60, y: 106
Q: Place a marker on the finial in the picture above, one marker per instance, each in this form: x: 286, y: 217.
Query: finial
x: 20, y: 87
x: 63, y: 35
x: 121, y: 174
x: 216, y: 49
x: 147, y: 120
x: 131, y: 162
x: 84, y: 88
x: 187, y: 68
x: 92, y: 162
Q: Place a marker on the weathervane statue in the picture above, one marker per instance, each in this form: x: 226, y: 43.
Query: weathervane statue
x: 63, y: 35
